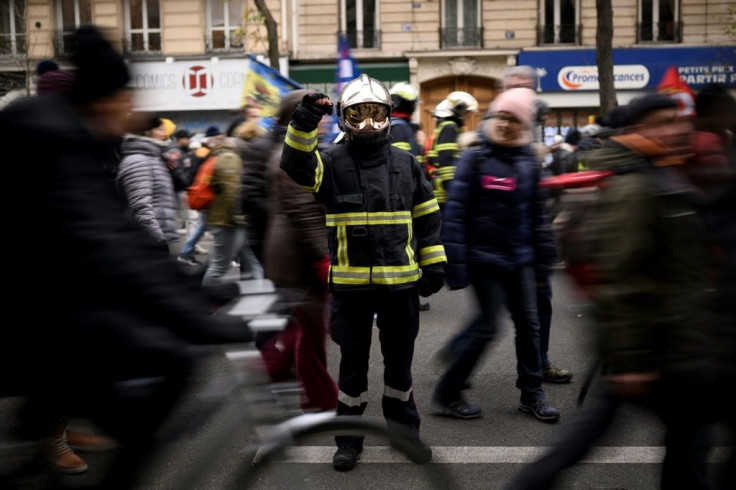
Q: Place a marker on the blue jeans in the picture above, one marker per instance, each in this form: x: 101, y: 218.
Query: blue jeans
x: 230, y: 242
x: 195, y: 235
x: 495, y: 288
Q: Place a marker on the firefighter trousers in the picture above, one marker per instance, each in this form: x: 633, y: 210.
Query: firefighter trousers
x: 351, y: 328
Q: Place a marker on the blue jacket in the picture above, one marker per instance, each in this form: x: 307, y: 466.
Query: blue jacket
x: 495, y: 213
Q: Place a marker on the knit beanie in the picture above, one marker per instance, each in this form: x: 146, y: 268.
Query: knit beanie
x: 46, y: 66
x: 521, y: 102
x: 101, y: 71
x: 55, y: 82
x: 641, y: 106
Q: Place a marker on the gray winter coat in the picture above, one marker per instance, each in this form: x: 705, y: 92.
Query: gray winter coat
x: 147, y: 187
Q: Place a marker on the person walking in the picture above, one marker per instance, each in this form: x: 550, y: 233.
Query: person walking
x: 498, y: 240
x: 651, y: 293
x: 384, y: 248
x: 296, y: 261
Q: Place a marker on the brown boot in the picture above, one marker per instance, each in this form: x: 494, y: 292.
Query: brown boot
x: 57, y: 455
x: 82, y: 441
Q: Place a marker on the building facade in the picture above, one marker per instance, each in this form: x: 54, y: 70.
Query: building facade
x: 187, y: 55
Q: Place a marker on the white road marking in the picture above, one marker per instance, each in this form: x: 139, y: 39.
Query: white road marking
x: 493, y: 455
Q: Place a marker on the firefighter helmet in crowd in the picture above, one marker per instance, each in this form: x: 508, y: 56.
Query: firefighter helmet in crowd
x: 404, y: 96
x: 456, y: 105
x: 364, y: 109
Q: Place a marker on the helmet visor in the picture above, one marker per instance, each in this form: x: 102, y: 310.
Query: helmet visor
x: 366, y: 116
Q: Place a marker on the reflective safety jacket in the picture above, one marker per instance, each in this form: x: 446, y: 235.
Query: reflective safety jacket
x: 442, y: 156
x: 382, y: 217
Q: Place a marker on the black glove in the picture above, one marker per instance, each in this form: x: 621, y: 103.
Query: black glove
x: 430, y: 283
x: 310, y: 101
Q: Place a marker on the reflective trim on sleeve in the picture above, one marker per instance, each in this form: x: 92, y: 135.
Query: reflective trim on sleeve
x: 404, y: 396
x: 447, y: 172
x: 404, y: 145
x: 427, y: 207
x: 446, y: 147
x: 432, y: 255
x: 352, y: 401
x: 301, y: 140
x: 368, y: 219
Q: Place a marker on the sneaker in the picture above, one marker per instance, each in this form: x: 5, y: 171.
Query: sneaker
x: 541, y: 410
x: 189, y: 260
x: 418, y: 452
x: 459, y: 409
x: 553, y: 374
x: 345, y: 458
x: 423, y: 306
x: 200, y: 250
x: 57, y: 455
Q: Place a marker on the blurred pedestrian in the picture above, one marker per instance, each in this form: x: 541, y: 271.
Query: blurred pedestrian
x: 115, y: 309
x: 498, y: 240
x: 650, y: 293
x: 296, y: 260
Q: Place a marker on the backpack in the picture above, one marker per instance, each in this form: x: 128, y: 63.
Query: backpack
x: 201, y: 194
x: 580, y: 193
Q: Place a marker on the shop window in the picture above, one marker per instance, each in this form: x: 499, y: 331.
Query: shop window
x: 358, y: 22
x: 12, y: 28
x: 225, y: 25
x: 70, y: 14
x: 460, y: 24
x: 658, y: 21
x: 142, y: 26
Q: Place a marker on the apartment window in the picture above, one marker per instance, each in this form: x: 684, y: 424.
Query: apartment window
x: 12, y: 27
x: 70, y: 14
x: 224, y: 24
x: 460, y: 19
x: 560, y: 22
x: 658, y: 21
x: 142, y: 26
x: 359, y: 22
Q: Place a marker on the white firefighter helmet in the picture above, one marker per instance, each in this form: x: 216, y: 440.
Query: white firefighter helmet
x: 364, y: 109
x: 404, y: 97
x: 456, y: 104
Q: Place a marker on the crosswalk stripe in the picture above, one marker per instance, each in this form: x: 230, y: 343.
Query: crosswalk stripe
x: 494, y: 455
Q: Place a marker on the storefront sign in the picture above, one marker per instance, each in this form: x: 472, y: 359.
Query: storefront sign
x: 634, y: 68
x: 189, y: 85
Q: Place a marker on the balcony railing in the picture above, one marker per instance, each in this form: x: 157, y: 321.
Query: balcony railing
x: 659, y: 32
x: 465, y: 37
x: 217, y: 43
x: 135, y: 45
x: 560, y: 34
x: 364, y: 39
x: 12, y: 46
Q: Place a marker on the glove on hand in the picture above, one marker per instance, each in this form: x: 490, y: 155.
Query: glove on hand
x: 430, y: 283
x: 322, y: 267
x: 310, y: 101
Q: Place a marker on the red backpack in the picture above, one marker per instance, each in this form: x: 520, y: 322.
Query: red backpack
x: 200, y: 194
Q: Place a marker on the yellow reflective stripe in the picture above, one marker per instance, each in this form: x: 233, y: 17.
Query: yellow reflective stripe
x: 404, y: 145
x: 352, y: 401
x: 425, y: 208
x: 342, y: 246
x: 386, y: 275
x: 431, y: 154
x: 409, y: 249
x: 319, y: 173
x: 368, y: 219
x: 447, y: 147
x: 301, y: 140
x: 398, y: 394
x: 432, y: 255
x: 395, y: 274
x: 447, y: 172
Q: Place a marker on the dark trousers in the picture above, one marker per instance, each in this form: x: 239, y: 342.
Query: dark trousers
x: 495, y: 288
x: 544, y: 308
x: 351, y: 327
x: 681, y: 403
